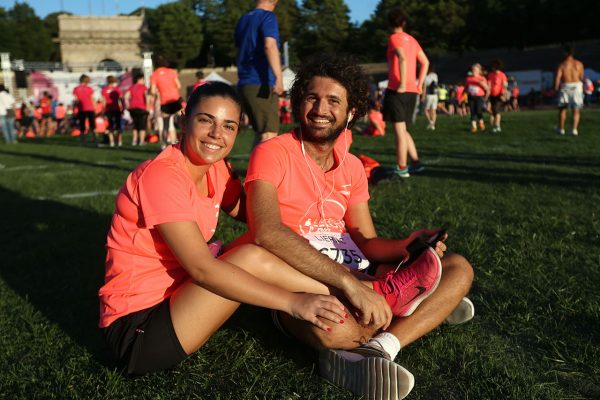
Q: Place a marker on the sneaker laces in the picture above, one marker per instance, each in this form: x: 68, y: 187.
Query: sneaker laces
x: 393, y: 284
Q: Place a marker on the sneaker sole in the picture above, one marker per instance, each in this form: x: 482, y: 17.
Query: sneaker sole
x: 465, y: 311
x: 419, y: 300
x: 375, y: 378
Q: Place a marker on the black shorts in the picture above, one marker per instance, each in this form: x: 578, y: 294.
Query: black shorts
x: 172, y: 107
x: 114, y: 120
x: 476, y: 107
x: 497, y: 104
x: 26, y: 122
x: 90, y: 116
x: 139, y: 117
x: 145, y: 341
x: 398, y: 107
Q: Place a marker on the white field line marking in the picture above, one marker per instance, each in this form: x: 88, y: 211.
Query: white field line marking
x: 88, y: 194
x: 4, y: 168
x: 434, y: 161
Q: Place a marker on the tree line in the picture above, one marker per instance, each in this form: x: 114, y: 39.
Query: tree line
x: 195, y: 33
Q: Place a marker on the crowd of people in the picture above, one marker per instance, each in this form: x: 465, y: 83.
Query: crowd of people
x: 489, y: 90
x: 439, y: 98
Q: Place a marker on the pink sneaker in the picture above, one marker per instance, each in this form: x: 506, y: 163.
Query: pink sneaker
x: 404, y: 290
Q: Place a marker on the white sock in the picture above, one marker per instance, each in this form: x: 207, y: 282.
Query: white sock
x: 388, y: 342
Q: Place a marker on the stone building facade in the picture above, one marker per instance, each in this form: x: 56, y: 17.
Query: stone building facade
x: 88, y: 41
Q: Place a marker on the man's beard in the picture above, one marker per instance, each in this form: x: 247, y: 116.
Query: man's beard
x: 332, y: 134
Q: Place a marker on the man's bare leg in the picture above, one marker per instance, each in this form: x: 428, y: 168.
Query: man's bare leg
x: 457, y: 276
x: 562, y: 117
x: 411, y: 148
x: 576, y: 117
x: 401, y: 144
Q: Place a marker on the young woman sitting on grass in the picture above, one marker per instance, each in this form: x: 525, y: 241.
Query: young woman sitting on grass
x: 166, y: 290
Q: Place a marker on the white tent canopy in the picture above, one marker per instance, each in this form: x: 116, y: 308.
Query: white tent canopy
x: 288, y: 79
x: 590, y: 73
x: 214, y: 77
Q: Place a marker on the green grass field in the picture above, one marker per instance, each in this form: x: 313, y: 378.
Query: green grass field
x: 523, y: 206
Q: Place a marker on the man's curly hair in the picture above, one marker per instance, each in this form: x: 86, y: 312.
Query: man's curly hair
x: 341, y: 68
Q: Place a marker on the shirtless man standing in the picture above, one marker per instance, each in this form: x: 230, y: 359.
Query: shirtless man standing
x: 570, y: 90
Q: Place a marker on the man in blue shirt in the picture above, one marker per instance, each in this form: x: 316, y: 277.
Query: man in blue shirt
x: 259, y: 68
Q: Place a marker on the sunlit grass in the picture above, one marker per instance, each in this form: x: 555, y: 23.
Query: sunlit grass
x: 522, y: 206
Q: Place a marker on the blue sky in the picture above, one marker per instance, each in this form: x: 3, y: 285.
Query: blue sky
x: 359, y: 9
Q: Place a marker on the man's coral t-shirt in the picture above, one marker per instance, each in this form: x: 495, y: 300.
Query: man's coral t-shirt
x: 497, y: 81
x: 411, y: 49
x: 141, y: 270
x: 302, y: 187
x: 165, y: 81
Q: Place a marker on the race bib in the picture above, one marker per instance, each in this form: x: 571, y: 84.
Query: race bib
x: 474, y: 90
x: 340, y: 248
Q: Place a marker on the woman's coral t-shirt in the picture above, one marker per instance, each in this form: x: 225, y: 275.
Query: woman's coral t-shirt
x: 141, y: 270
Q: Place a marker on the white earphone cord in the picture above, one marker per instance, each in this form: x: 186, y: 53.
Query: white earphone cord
x: 321, y: 208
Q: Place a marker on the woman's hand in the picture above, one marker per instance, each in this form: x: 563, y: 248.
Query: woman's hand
x: 425, y: 234
x: 308, y: 306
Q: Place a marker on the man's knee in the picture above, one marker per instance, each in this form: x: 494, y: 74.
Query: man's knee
x: 460, y: 268
x: 348, y: 335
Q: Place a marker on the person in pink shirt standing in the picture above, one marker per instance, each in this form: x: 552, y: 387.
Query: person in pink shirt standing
x: 164, y: 82
x: 403, y: 53
x: 478, y: 90
x: 112, y: 98
x: 137, y: 103
x: 84, y: 99
x: 498, y: 85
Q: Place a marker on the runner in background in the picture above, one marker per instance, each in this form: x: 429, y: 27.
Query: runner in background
x: 165, y: 84
x: 461, y: 99
x: 138, y: 103
x: 430, y: 97
x: 112, y: 101
x: 478, y: 90
x: 60, y: 113
x: 498, y: 88
x: 84, y: 101
x: 443, y: 99
x: 401, y: 95
x: 46, y: 120
x: 568, y: 83
x: 259, y: 68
